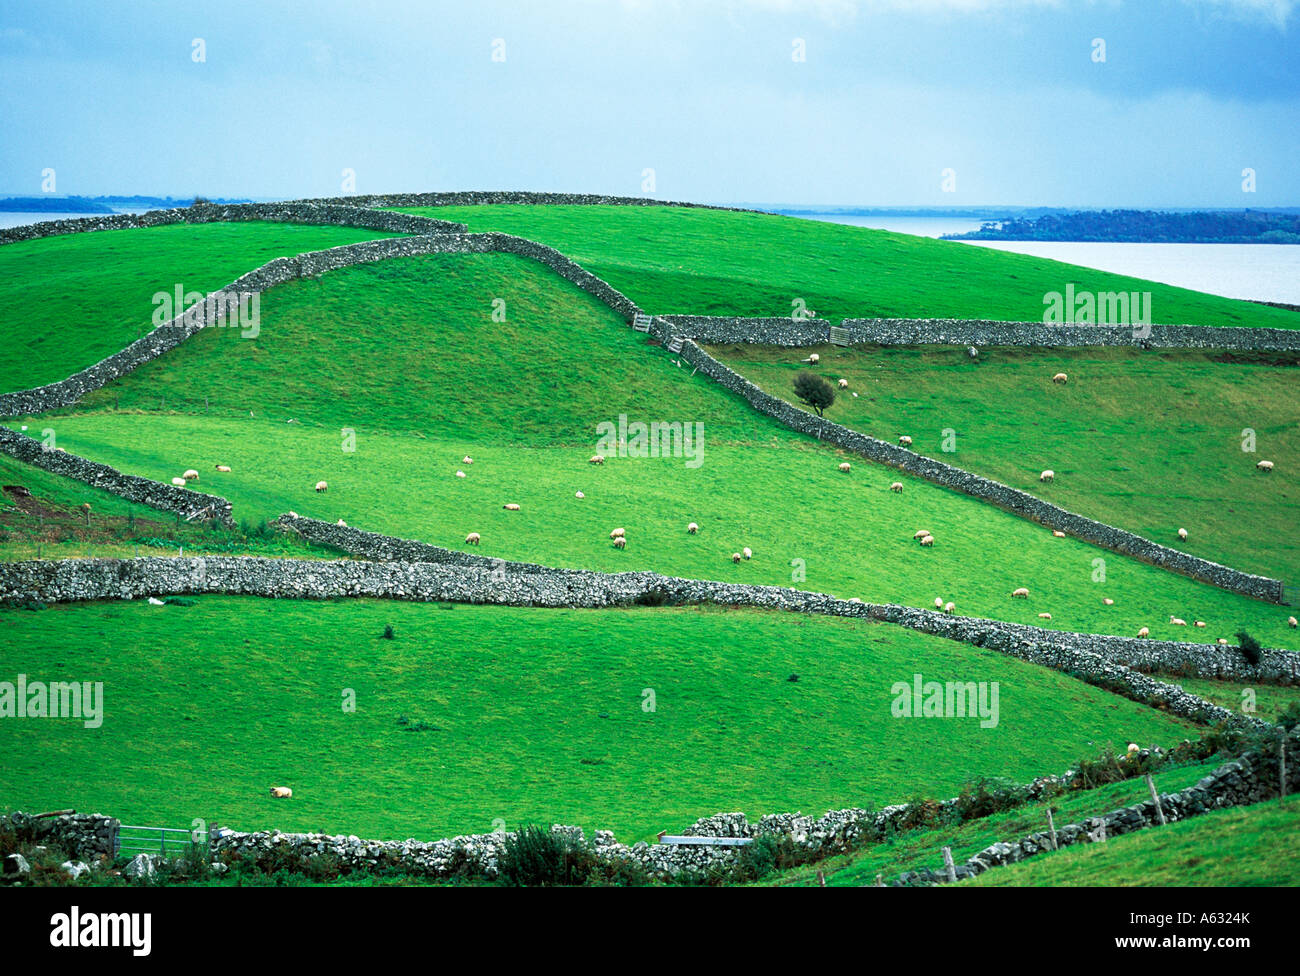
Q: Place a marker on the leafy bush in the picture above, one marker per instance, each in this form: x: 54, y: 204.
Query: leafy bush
x: 1250, y: 647
x: 814, y: 391
x: 536, y: 857
x: 388, y: 632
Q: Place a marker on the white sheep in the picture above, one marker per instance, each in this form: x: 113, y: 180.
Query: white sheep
x: 1060, y: 378
x: 1264, y: 465
x: 1108, y: 602
x: 179, y: 482
x: 747, y: 552
x: 1144, y: 632
x: 904, y: 441
x: 510, y: 507
x: 896, y: 486
x: 1222, y: 642
x: 692, y: 528
x: 467, y: 460
x: 472, y: 539
x: 578, y: 494
x: 620, y: 542
x: 845, y: 467
x: 949, y: 607
x: 281, y: 792
x: 735, y: 557
x: 1291, y: 622
x: 844, y: 384
x: 191, y: 475
x: 1021, y: 593
x: 322, y: 486
x: 938, y: 603
x: 224, y: 468
x: 1177, y: 621
x: 460, y: 474
x: 1058, y: 534
x: 618, y: 533
x: 1182, y: 534
x: 921, y: 533
x: 1198, y: 623
x: 1048, y: 475
x: 814, y: 359
x: 596, y: 459
x: 927, y: 540
x: 1044, y: 616
x: 342, y: 523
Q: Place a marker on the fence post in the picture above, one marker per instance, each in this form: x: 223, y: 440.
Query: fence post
x: 1051, y: 826
x: 948, y: 865
x: 1155, y: 798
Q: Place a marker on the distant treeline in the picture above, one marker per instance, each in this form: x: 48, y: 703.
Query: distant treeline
x: 1145, y: 226
x: 94, y: 205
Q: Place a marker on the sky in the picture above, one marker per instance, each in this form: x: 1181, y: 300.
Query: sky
x: 894, y: 102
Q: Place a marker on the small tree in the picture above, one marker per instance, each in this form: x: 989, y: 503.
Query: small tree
x: 1249, y: 647
x: 814, y: 391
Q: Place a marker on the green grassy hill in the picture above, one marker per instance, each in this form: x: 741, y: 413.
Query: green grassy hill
x: 405, y: 353
x: 67, y: 302
x: 1147, y: 440
x: 476, y: 713
x: 712, y: 262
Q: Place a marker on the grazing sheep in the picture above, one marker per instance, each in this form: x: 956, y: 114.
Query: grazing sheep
x: 596, y: 459
x: 1198, y: 623
x: 1264, y: 465
x: 467, y: 460
x: 578, y: 494
x: 692, y: 528
x: 938, y: 603
x: 735, y: 557
x: 905, y: 441
x: 896, y: 486
x: 342, y: 523
x: 179, y: 482
x: 618, y: 533
x: 620, y: 542
x: 1044, y: 616
x: 928, y: 540
x: 460, y: 474
x: 1021, y: 593
x: 1291, y: 622
x: 747, y: 552
x: 224, y: 467
x: 1058, y: 533
x: 949, y: 607
x: 1108, y: 602
x: 844, y: 384
x: 1182, y: 534
x: 294, y: 515
x: 1144, y: 632
x: 1060, y: 378
x: 281, y: 792
x: 510, y: 507
x: 814, y: 359
x: 921, y: 533
x: 472, y: 539
x: 1048, y: 475
x: 1222, y: 642
x: 322, y: 486
x: 191, y: 475
x: 1132, y: 748
x: 845, y: 467
x: 1177, y: 621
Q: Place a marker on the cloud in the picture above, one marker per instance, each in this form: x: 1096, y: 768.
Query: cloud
x: 1275, y: 12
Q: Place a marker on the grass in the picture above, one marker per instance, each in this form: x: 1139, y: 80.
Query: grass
x: 1147, y: 440
x: 1256, y: 846
x: 916, y: 849
x: 405, y: 354
x: 708, y: 262
x: 50, y: 523
x: 1267, y: 701
x: 71, y: 300
x: 529, y: 715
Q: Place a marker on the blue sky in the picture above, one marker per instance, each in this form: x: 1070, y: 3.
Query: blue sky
x: 591, y: 93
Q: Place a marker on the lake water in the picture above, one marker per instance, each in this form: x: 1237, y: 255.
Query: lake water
x: 1264, y: 272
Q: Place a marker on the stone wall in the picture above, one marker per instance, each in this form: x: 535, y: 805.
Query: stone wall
x: 187, y: 503
x: 1012, y: 499
x: 279, y: 213
x: 472, y: 198
x: 721, y: 330
x: 83, y: 835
